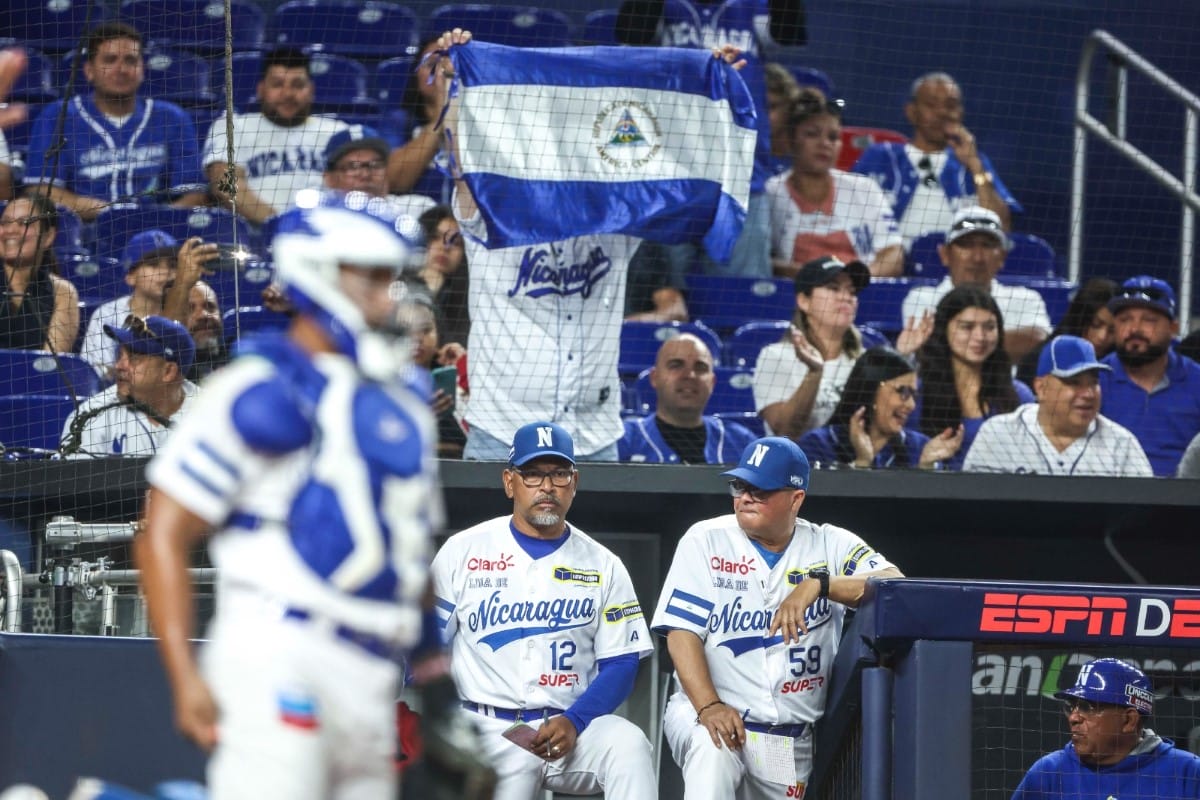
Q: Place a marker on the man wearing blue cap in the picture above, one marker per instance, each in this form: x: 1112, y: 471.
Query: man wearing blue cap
x: 1112, y: 753
x: 1063, y: 433
x: 1152, y: 390
x: 545, y: 634
x: 132, y: 417
x: 752, y: 609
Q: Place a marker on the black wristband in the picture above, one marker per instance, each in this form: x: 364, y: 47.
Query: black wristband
x: 822, y: 577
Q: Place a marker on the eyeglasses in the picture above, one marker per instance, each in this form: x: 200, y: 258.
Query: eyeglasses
x: 1150, y: 293
x: 906, y: 392
x: 977, y: 224
x: 347, y: 167
x: 927, y: 176
x: 533, y: 478
x: 738, y: 487
x: 1086, y: 707
x: 807, y: 106
x: 24, y: 222
x: 138, y: 327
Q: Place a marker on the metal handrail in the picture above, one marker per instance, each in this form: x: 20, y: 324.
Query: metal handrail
x: 12, y: 591
x: 1184, y: 190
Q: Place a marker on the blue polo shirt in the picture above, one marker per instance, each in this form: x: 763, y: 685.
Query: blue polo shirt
x: 1164, y: 420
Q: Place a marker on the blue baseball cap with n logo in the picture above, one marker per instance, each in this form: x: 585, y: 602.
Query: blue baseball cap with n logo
x: 540, y: 439
x: 773, y: 462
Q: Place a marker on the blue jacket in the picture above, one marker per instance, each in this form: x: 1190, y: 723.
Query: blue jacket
x: 1165, y: 420
x: 644, y: 443
x: 821, y: 446
x: 1162, y: 773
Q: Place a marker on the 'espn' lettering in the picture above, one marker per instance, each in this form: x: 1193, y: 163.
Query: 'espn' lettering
x: 1051, y: 613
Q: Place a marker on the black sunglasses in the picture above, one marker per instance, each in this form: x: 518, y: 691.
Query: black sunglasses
x: 138, y: 327
x: 1149, y: 293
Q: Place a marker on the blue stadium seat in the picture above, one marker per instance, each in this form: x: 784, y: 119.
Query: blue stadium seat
x: 246, y: 68
x: 340, y: 86
x: 18, y: 135
x: 251, y: 319
x: 96, y: 279
x: 733, y: 392
x: 117, y: 223
x: 640, y: 342
x: 38, y: 372
x: 370, y: 29
x: 600, y: 28
x: 515, y: 26
x: 391, y: 80
x: 69, y: 239
x: 743, y: 346
x: 33, y: 420
x: 923, y: 258
x: 243, y: 287
x: 879, y: 305
x: 725, y: 303
x: 1055, y: 292
x: 179, y: 77
x: 196, y: 24
x: 49, y: 25
x: 748, y: 419
x: 39, y: 82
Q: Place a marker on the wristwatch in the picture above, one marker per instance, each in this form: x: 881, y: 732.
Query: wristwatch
x: 821, y: 575
x: 982, y: 179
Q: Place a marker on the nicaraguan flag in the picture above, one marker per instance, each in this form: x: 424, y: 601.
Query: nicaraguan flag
x: 560, y: 142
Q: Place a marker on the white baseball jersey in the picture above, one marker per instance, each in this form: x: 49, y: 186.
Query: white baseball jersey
x: 278, y: 161
x: 545, y: 335
x: 855, y: 222
x: 120, y: 430
x: 779, y: 373
x: 719, y: 588
x: 1015, y: 442
x: 1020, y: 306
x: 98, y: 348
x: 527, y: 633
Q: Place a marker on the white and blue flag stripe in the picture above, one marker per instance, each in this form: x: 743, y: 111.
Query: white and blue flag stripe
x: 689, y: 607
x: 656, y: 143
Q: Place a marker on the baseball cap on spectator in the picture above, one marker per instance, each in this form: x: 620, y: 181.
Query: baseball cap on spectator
x: 1067, y: 356
x: 156, y: 336
x: 355, y: 137
x: 148, y: 245
x: 1146, y: 292
x: 977, y: 219
x: 773, y: 462
x: 821, y: 271
x: 540, y: 439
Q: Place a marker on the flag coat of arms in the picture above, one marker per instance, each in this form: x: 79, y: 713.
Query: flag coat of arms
x: 559, y: 142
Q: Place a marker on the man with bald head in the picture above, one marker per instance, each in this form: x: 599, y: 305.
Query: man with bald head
x: 679, y: 432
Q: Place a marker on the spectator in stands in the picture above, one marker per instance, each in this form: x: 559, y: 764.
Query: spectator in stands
x: 816, y: 209
x: 133, y: 416
x: 418, y: 316
x: 1064, y: 432
x: 410, y: 167
x: 115, y: 146
x: 657, y: 283
x: 964, y: 373
x: 940, y: 171
x: 705, y: 24
x: 1189, y: 465
x: 1112, y: 753
x: 444, y: 274
x: 356, y: 161
x: 679, y: 432
x: 279, y: 150
x: 1087, y: 316
x: 39, y: 309
x: 782, y: 91
x: 867, y: 429
x: 1151, y: 390
x: 9, y: 164
x: 206, y: 329
x: 974, y: 252
x: 797, y: 381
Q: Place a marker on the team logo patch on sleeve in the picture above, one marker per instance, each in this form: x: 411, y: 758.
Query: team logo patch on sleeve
x: 570, y: 575
x: 795, y: 576
x: 622, y: 613
x: 857, y: 556
x: 689, y: 607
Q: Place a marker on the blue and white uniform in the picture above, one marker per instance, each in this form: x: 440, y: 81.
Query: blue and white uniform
x: 528, y: 632
x: 322, y: 489
x: 120, y: 429
x: 153, y: 154
x: 721, y: 588
x: 643, y: 442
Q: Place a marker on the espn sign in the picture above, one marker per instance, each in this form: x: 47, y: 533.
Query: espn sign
x: 1092, y: 615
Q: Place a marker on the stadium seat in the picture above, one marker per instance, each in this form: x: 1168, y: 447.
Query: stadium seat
x: 39, y: 372
x: 391, y: 80
x: 743, y: 346
x: 515, y: 26
x: 748, y: 419
x: 369, y: 29
x: 117, y: 223
x: 246, y: 68
x: 39, y: 82
x: 1031, y: 256
x: 640, y: 342
x: 923, y: 259
x: 600, y: 27
x: 179, y: 77
x: 724, y: 303
x: 879, y: 305
x: 340, y: 86
x: 733, y: 392
x: 69, y: 239
x: 33, y: 421
x: 855, y: 140
x: 242, y: 287
x: 97, y: 279
x: 197, y: 25
x: 251, y: 319
x: 49, y: 25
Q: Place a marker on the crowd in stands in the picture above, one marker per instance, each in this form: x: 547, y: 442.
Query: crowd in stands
x: 972, y: 370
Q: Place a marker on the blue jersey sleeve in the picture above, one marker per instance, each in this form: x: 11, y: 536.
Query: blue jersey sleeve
x: 183, y: 169
x: 42, y: 166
